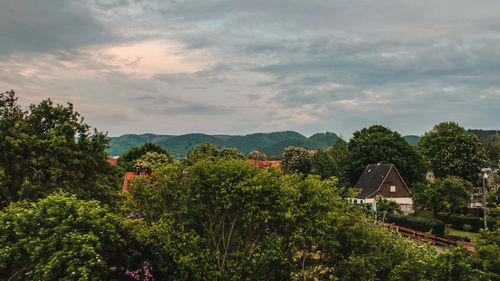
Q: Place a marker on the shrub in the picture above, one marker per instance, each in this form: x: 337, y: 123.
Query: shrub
x: 458, y: 222
x: 417, y: 223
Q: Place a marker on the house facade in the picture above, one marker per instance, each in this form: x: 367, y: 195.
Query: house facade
x: 383, y: 180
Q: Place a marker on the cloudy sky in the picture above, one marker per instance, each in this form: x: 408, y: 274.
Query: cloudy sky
x: 237, y: 67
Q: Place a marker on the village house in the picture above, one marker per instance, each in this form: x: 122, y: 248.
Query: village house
x: 384, y: 180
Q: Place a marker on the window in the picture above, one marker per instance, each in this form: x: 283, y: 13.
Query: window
x: 393, y: 188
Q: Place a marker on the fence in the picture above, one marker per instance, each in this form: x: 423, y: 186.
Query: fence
x: 426, y: 237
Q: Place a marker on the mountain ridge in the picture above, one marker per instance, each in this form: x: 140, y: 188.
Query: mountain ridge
x: 272, y: 143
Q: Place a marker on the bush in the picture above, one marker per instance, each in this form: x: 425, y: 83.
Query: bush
x: 417, y: 223
x: 458, y: 222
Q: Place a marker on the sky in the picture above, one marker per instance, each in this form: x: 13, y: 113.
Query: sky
x: 240, y: 67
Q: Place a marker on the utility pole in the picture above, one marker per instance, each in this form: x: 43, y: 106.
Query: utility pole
x: 485, y: 177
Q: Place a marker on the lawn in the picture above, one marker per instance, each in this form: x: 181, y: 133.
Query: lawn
x: 474, y: 237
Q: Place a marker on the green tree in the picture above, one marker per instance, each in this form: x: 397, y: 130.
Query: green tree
x: 49, y: 147
x: 128, y: 159
x: 152, y: 160
x: 202, y: 151
x: 451, y: 151
x: 231, y: 153
x: 487, y: 258
x: 340, y: 152
x: 296, y: 160
x: 257, y: 155
x: 324, y: 164
x: 447, y: 195
x: 220, y: 216
x: 16, y: 148
x: 386, y: 207
x: 379, y: 144
x: 60, y: 238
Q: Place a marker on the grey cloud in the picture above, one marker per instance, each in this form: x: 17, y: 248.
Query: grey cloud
x: 171, y: 105
x: 40, y: 26
x: 339, y: 65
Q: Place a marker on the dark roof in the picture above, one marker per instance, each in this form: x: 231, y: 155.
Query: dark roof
x: 371, y: 178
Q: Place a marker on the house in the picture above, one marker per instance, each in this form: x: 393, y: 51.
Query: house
x: 384, y: 180
x: 263, y: 163
x: 130, y: 176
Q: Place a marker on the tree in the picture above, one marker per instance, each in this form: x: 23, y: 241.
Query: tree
x: 386, y: 207
x: 152, y: 160
x: 257, y: 155
x: 340, y: 152
x: 379, y: 144
x: 217, y: 216
x: 60, y: 237
x: 202, y: 151
x: 451, y: 151
x: 16, y: 148
x: 444, y: 194
x: 231, y: 153
x: 224, y: 219
x: 487, y: 258
x: 128, y: 159
x: 323, y: 164
x: 296, y: 160
x: 49, y: 147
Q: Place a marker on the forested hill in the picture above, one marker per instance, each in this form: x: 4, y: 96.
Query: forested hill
x: 269, y: 143
x: 413, y: 140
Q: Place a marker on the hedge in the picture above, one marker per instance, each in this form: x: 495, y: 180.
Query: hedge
x: 417, y: 223
x: 458, y: 222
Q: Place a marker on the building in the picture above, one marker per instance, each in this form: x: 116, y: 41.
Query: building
x: 265, y: 163
x: 384, y: 180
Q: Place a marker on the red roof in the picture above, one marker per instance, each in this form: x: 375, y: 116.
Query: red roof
x: 112, y: 161
x: 261, y: 163
x: 129, y: 176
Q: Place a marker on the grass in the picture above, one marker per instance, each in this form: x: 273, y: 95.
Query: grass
x: 474, y: 237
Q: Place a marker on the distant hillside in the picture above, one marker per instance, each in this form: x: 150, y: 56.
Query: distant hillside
x: 413, y: 140
x: 269, y: 143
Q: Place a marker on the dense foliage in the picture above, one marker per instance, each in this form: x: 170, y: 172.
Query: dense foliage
x: 450, y: 194
x: 151, y: 160
x: 49, y: 147
x: 459, y: 221
x: 211, y: 216
x: 490, y: 140
x: 379, y: 144
x: 331, y: 162
x: 60, y: 237
x: 257, y: 155
x: 128, y: 159
x: 296, y: 160
x: 451, y: 151
x: 418, y: 223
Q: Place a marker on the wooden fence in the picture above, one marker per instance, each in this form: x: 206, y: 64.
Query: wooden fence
x: 426, y: 237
